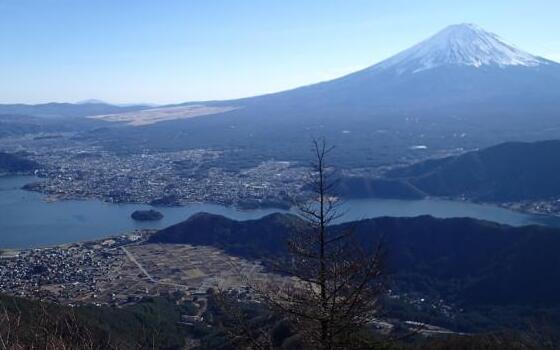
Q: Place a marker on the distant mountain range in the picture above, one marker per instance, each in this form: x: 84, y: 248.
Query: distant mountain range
x: 507, y: 172
x: 67, y: 110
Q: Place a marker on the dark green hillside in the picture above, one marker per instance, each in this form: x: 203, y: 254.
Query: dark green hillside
x: 518, y: 264
x: 151, y: 324
x: 10, y: 163
x: 471, y: 263
x: 506, y: 172
x: 253, y: 238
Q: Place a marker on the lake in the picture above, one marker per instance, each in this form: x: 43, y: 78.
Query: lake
x: 26, y: 220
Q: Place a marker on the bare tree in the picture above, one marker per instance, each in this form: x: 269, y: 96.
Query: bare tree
x: 337, y: 280
x: 237, y: 326
x: 45, y: 331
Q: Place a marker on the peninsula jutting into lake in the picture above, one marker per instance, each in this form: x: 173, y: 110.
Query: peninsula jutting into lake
x: 69, y: 221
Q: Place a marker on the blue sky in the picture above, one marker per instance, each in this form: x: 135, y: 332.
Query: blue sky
x: 167, y: 51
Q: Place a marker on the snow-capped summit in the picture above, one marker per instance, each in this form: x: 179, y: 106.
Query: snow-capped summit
x: 460, y: 44
x: 460, y: 75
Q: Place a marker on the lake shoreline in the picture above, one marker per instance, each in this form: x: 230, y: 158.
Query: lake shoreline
x: 522, y: 207
x: 27, y: 220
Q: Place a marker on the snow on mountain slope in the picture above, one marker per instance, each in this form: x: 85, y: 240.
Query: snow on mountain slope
x: 460, y: 72
x: 460, y: 44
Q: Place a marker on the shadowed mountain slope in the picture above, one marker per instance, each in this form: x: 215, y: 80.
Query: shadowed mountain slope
x: 506, y: 172
x: 468, y: 261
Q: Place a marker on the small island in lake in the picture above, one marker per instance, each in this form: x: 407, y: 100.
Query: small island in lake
x: 146, y: 215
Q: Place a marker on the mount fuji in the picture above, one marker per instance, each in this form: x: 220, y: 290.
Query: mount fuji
x: 461, y: 45
x: 462, y: 70
x: 462, y: 87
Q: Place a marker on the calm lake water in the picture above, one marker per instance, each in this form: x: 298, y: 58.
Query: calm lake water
x: 26, y: 220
